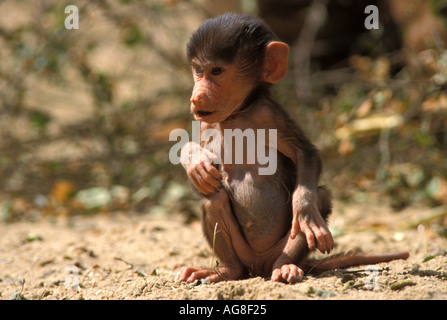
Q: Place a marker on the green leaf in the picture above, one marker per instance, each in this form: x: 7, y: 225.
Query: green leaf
x: 134, y: 35
x: 39, y: 119
x: 428, y: 258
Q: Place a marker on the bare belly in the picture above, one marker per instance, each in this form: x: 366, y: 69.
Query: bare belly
x: 261, y: 205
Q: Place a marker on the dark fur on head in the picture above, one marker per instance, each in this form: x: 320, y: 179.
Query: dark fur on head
x: 229, y: 38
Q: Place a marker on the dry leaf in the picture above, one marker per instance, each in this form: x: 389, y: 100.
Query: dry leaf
x: 435, y: 104
x: 364, y: 108
x: 346, y: 147
x: 61, y: 191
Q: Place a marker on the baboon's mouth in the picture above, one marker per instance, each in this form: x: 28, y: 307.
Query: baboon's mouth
x: 204, y: 113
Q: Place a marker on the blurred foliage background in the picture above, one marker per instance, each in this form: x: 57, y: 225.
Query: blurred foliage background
x: 85, y: 114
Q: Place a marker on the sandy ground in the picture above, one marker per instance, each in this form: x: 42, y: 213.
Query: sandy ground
x: 138, y: 257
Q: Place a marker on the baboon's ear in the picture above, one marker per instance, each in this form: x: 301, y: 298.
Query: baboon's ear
x: 275, y: 62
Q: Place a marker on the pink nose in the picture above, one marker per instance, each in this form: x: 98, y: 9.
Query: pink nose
x: 198, y: 98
